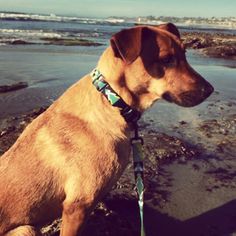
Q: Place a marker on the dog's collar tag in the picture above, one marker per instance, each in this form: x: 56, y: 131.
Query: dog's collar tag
x: 129, y: 114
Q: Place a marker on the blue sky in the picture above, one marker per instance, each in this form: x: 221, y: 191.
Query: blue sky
x: 104, y: 8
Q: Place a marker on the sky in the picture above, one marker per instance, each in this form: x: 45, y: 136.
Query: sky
x: 130, y: 8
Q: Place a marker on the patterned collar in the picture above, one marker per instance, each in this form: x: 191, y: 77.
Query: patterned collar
x: 129, y: 114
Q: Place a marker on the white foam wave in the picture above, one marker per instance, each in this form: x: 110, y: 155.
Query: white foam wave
x: 115, y: 20
x: 226, y: 24
x: 56, y: 18
x: 51, y: 17
x: 215, y: 23
x: 149, y: 22
x: 29, y: 33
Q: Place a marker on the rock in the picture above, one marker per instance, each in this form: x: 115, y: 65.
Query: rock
x: 211, y: 44
x: 226, y: 51
x: 13, y: 87
x: 183, y: 122
x: 18, y: 42
x: 197, y: 43
x: 70, y: 42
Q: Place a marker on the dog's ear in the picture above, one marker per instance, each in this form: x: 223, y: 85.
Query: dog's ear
x: 171, y: 28
x: 127, y: 44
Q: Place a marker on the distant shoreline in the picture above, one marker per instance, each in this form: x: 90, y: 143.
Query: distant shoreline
x: 227, y: 22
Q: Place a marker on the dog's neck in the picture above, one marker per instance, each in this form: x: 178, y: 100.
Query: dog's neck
x: 110, y: 66
x: 95, y: 109
x: 130, y: 114
x: 105, y: 117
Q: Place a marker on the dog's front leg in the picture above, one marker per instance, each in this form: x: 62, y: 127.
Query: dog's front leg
x: 73, y: 217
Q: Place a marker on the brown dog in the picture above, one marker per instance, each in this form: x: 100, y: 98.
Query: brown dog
x: 70, y: 156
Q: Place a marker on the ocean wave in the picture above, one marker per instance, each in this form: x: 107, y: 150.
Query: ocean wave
x: 16, y: 41
x: 29, y: 33
x: 209, y: 24
x: 214, y: 23
x: 20, y: 36
x: 57, y: 18
x: 115, y: 20
x: 35, y: 17
x: 23, y: 37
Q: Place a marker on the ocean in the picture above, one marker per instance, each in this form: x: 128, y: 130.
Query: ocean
x: 29, y: 52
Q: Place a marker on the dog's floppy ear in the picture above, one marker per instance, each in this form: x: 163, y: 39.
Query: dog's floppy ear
x: 171, y: 28
x: 127, y: 44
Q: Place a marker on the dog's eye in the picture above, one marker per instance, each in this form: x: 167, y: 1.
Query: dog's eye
x: 167, y: 60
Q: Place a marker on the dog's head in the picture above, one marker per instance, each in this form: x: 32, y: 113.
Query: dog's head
x: 155, y: 66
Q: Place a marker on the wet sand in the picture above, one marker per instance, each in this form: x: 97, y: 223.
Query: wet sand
x: 190, y: 164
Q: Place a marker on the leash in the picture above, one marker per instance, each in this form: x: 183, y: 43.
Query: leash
x: 138, y: 157
x: 131, y: 115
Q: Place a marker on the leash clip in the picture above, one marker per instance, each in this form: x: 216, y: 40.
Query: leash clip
x: 136, y: 138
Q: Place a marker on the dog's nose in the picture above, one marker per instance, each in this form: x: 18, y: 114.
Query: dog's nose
x: 207, y: 90
x: 211, y: 89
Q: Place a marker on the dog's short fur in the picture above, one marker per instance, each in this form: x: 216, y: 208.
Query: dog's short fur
x: 70, y: 156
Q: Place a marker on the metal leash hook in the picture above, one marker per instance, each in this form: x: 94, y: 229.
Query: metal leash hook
x: 137, y: 145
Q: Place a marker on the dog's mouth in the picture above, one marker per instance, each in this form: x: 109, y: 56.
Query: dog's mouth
x: 184, y: 100
x: 190, y: 98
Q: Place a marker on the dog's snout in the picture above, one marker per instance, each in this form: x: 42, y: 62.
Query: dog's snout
x: 192, y: 97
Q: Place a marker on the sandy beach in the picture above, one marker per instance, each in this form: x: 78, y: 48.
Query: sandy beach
x: 190, y: 160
